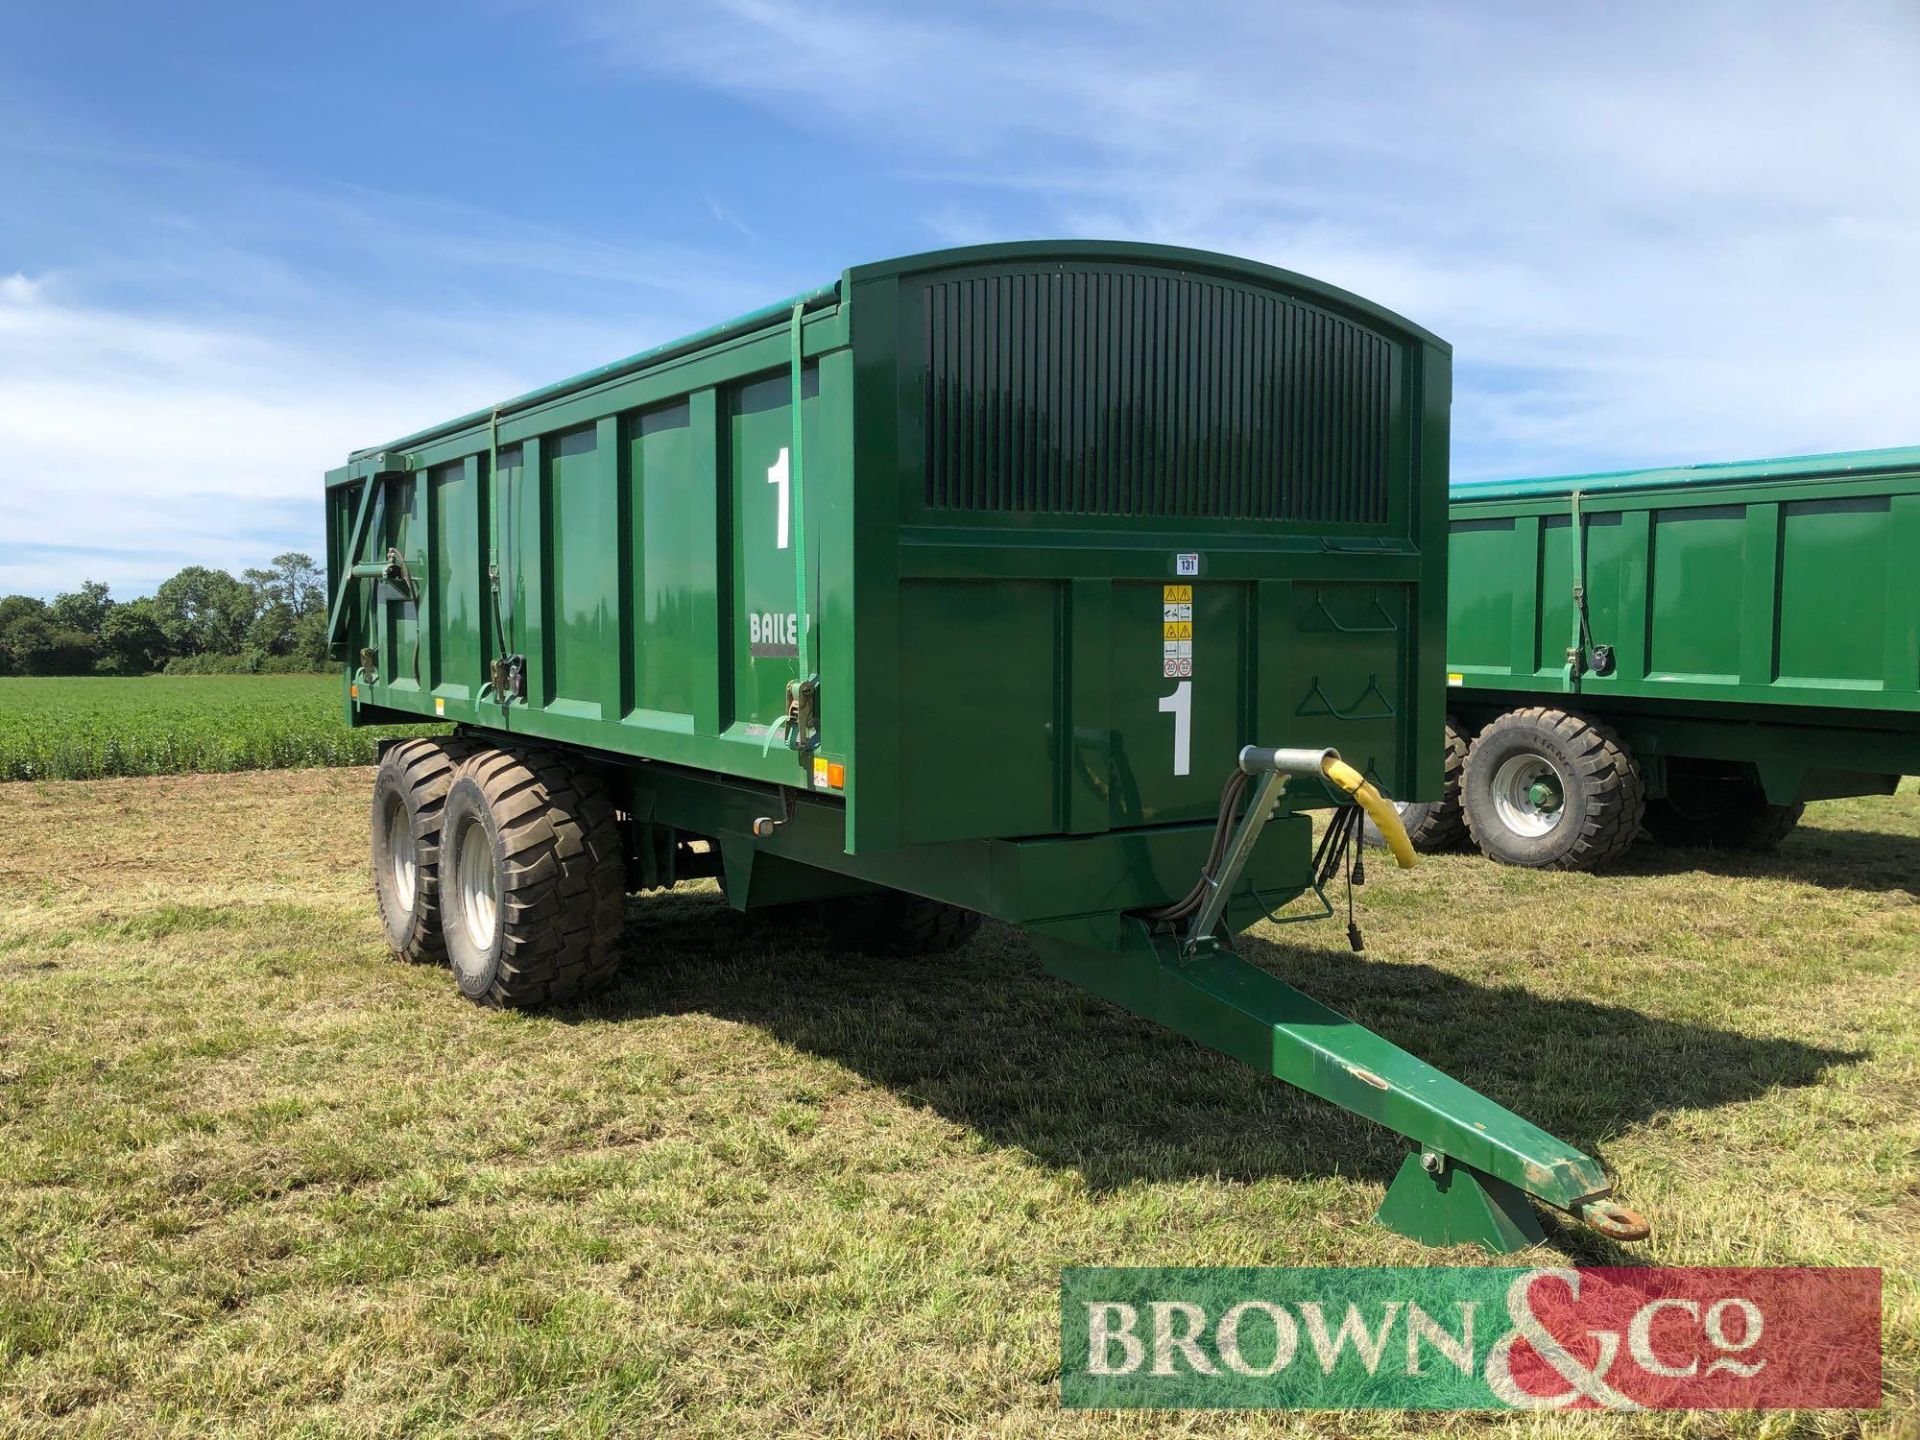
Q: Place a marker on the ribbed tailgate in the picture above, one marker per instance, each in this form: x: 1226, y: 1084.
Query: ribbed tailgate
x: 1151, y: 514
x: 1147, y: 395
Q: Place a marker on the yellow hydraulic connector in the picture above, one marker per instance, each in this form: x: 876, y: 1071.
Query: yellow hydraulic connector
x: 1207, y: 901
x: 1379, y: 809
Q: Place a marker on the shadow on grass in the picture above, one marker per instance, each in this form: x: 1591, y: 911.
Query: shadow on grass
x: 1831, y: 859
x: 986, y: 1039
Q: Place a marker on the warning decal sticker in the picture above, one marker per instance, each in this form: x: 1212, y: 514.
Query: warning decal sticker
x: 1176, y: 632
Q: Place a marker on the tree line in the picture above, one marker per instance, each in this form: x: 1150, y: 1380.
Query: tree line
x: 202, y: 621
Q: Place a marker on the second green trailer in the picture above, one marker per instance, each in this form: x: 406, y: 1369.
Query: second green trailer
x: 1699, y: 651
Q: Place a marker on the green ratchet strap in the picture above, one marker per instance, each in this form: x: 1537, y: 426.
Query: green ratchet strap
x: 797, y: 499
x: 1577, y: 526
x: 493, y: 485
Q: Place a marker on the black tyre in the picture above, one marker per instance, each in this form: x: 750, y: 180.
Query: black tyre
x: 1718, y: 811
x: 532, y: 877
x: 1434, y: 824
x: 892, y: 922
x: 1551, y: 790
x: 409, y: 799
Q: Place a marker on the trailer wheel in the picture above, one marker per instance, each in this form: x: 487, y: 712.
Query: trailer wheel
x: 1721, y: 812
x: 534, y: 878
x: 1551, y: 790
x: 893, y: 922
x: 409, y: 799
x: 1433, y: 824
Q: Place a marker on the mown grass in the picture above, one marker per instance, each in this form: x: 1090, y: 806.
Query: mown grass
x: 258, y: 1178
x: 86, y: 728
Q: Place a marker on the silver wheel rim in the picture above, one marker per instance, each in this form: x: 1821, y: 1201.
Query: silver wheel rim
x: 1529, y: 795
x: 479, y: 889
x: 403, y: 861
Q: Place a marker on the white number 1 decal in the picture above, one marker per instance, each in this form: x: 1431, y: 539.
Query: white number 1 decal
x: 1180, y: 706
x: 777, y: 475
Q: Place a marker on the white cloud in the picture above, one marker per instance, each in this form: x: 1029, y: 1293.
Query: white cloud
x: 179, y: 401
x: 131, y: 444
x: 1652, y: 232
x: 142, y: 443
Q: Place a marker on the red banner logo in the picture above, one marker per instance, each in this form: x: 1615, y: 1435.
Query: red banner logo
x: 1690, y: 1338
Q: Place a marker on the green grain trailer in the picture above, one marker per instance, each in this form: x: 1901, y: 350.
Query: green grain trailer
x: 973, y: 584
x: 1699, y: 650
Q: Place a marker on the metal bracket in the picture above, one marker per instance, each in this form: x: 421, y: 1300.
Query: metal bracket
x: 765, y: 825
x: 803, y: 711
x: 374, y: 486
x: 1438, y: 1203
x: 1359, y: 710
x: 1274, y: 767
x: 1320, y: 610
x: 507, y: 678
x: 398, y: 572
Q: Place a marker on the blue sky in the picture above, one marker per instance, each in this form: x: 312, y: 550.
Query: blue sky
x: 239, y: 240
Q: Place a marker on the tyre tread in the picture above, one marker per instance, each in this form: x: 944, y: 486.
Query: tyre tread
x: 562, y: 896
x: 1616, y: 790
x: 425, y: 769
x: 1443, y: 824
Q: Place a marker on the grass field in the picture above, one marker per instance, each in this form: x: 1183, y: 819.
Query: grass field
x: 257, y: 1178
x: 86, y: 728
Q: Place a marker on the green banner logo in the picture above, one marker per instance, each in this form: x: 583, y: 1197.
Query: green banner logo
x: 1470, y: 1338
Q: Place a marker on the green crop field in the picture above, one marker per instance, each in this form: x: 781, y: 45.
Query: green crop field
x: 258, y: 1178
x: 87, y: 729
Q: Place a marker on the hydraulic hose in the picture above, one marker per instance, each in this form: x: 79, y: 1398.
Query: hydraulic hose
x: 1379, y: 809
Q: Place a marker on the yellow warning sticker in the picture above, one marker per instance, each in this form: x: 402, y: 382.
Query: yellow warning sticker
x: 1456, y: 679
x: 1176, y: 631
x: 439, y: 704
